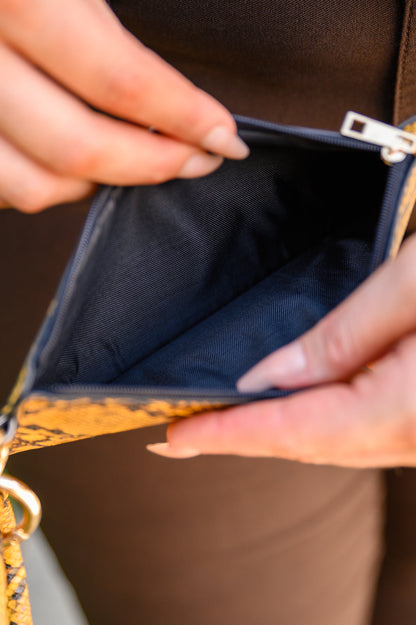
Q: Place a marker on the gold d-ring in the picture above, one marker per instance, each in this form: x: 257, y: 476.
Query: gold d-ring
x: 30, y: 505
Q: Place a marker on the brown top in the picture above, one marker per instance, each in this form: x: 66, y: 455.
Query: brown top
x: 289, y: 61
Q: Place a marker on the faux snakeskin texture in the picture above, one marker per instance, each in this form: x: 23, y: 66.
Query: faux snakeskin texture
x: 44, y: 422
x: 14, y: 601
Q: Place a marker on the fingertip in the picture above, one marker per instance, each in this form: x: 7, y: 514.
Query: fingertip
x: 284, y: 368
x: 167, y: 451
x: 251, y: 382
x: 200, y: 165
x: 223, y: 140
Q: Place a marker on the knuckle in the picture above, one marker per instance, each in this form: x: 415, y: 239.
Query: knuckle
x: 14, y: 7
x: 123, y: 88
x: 404, y: 427
x: 395, y: 425
x: 403, y: 380
x: 80, y: 157
x: 339, y: 346
x: 33, y: 198
x: 193, y: 114
x: 156, y: 175
x: 406, y: 276
x: 407, y: 428
x: 34, y: 192
x: 166, y: 167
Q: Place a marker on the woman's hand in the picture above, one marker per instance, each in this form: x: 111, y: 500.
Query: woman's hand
x: 350, y: 416
x: 60, y: 60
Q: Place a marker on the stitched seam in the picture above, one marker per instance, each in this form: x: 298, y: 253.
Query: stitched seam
x: 406, y: 51
x: 402, y: 64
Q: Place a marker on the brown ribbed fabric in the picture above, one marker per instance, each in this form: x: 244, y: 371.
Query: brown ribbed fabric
x: 291, y: 61
x: 219, y: 541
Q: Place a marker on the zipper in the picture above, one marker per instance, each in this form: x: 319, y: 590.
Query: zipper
x: 396, y: 143
x: 143, y: 393
x: 326, y: 137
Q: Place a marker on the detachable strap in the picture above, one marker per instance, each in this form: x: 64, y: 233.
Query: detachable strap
x: 14, y: 595
x: 405, y: 92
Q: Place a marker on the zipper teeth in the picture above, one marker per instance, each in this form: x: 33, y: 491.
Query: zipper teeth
x: 100, y: 203
x: 323, y: 136
x: 156, y: 391
x: 384, y: 223
x: 383, y: 226
x: 144, y: 391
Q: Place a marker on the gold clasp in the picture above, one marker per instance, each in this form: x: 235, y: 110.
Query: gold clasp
x: 18, y: 491
x: 30, y: 505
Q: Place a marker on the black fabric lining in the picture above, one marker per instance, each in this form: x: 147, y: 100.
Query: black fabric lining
x: 192, y: 281
x: 219, y: 349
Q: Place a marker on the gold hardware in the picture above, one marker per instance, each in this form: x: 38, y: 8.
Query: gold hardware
x: 18, y: 491
x: 30, y: 505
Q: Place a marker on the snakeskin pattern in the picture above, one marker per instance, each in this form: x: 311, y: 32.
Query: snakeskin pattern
x: 14, y: 591
x: 44, y: 422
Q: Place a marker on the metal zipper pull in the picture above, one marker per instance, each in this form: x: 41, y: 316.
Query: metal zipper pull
x: 396, y: 143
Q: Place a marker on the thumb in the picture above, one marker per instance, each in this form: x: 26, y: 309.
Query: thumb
x: 360, y: 329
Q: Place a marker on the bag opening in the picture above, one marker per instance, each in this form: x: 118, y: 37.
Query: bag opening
x: 191, y: 282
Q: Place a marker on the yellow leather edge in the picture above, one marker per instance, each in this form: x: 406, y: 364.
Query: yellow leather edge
x: 44, y: 422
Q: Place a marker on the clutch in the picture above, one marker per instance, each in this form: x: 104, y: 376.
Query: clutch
x: 175, y: 290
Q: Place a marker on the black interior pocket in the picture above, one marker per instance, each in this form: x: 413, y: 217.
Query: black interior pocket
x: 191, y: 282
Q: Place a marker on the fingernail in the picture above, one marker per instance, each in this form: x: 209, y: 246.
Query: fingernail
x: 200, y: 165
x: 221, y: 140
x: 252, y: 383
x: 164, y: 449
x: 277, y: 370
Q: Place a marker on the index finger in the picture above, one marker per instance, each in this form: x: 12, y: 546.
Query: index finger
x: 87, y: 50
